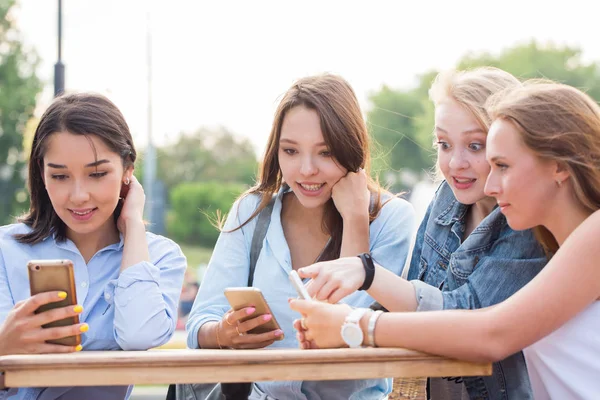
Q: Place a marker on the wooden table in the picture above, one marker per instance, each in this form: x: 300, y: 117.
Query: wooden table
x: 197, y: 366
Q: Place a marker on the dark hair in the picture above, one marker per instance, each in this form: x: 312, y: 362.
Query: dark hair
x: 79, y: 114
x: 345, y: 133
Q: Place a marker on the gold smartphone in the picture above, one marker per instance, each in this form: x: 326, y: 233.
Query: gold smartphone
x: 51, y: 275
x: 242, y: 297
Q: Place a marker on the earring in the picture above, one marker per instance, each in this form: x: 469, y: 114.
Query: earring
x: 559, y: 183
x: 126, y: 182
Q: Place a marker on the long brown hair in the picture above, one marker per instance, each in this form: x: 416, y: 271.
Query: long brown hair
x: 345, y: 133
x: 79, y: 114
x: 559, y: 123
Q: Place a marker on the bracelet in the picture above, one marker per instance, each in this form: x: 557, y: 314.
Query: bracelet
x: 218, y: 342
x: 369, y: 267
x: 371, y: 327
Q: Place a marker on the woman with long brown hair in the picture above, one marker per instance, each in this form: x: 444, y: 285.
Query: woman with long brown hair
x: 326, y: 206
x: 544, y: 152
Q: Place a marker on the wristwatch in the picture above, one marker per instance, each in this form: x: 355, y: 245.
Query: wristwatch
x: 351, y: 331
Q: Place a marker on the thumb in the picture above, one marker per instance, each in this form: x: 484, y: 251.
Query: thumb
x: 312, y: 271
x: 301, y: 306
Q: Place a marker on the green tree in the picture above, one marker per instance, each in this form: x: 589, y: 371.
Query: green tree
x: 401, y: 121
x: 195, y: 208
x: 534, y: 60
x: 393, y: 120
x: 205, y: 155
x: 19, y: 87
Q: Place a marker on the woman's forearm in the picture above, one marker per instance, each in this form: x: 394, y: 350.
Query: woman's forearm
x: 135, y: 248
x: 207, y: 335
x: 355, y: 238
x: 392, y: 291
x: 464, y: 334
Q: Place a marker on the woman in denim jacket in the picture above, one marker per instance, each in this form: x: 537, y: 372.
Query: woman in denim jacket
x: 465, y: 255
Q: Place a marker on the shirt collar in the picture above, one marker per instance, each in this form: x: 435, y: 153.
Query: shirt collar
x: 69, y: 245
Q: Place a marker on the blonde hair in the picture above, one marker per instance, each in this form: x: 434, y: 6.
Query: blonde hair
x: 559, y: 123
x: 471, y: 89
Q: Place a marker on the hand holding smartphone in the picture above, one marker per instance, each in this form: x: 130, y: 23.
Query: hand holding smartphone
x: 55, y: 275
x: 243, y: 297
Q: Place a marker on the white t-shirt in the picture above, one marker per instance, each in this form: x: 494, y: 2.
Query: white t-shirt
x: 566, y: 363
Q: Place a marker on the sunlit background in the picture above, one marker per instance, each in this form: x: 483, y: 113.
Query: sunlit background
x: 202, y: 79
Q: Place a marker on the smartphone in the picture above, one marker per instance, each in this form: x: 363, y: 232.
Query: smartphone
x: 242, y: 297
x: 51, y: 275
x: 299, y: 286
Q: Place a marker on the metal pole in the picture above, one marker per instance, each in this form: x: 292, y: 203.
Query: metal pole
x: 150, y: 157
x: 59, y: 67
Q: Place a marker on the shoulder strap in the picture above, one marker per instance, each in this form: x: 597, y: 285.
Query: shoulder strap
x: 260, y: 231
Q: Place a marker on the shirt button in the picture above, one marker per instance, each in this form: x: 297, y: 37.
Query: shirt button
x: 107, y: 297
x: 84, y: 284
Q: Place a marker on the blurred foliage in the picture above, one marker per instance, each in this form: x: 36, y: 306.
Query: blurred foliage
x: 401, y: 121
x: 19, y: 87
x: 195, y: 208
x: 205, y: 155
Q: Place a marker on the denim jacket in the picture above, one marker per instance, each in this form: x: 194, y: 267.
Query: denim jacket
x: 489, y: 266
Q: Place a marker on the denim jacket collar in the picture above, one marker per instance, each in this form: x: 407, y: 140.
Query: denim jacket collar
x: 453, y: 212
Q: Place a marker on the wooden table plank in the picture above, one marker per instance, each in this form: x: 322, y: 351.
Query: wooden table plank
x: 198, y: 366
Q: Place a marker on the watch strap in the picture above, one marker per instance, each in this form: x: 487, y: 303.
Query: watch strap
x: 367, y: 262
x: 355, y: 315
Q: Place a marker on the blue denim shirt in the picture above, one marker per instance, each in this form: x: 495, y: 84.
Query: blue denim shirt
x: 390, y: 236
x: 489, y: 266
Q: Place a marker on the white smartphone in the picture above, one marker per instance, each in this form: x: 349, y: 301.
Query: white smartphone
x: 299, y: 286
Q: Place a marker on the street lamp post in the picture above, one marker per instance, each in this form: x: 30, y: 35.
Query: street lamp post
x: 150, y: 156
x: 59, y: 67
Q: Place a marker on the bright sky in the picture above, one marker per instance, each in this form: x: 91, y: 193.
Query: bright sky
x: 227, y: 62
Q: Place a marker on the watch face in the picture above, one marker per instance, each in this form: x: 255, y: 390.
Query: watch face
x: 352, y: 335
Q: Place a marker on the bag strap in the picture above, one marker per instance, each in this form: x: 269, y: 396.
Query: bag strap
x: 260, y: 231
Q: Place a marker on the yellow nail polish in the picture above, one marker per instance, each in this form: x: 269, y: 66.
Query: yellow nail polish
x: 79, y: 347
x: 84, y: 328
x: 62, y: 295
x: 78, y: 308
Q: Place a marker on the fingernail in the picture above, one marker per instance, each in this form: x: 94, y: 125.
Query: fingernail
x: 62, y: 295
x: 278, y: 332
x: 84, y: 328
x: 79, y: 347
x: 290, y: 300
x: 250, y: 310
x: 78, y: 309
x: 267, y: 317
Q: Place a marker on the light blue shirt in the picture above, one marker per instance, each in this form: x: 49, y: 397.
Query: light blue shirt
x: 390, y: 236
x: 131, y: 310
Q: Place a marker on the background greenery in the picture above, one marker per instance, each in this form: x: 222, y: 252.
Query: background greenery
x: 204, y: 171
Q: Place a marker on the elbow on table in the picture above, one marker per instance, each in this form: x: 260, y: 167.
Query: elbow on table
x: 144, y: 338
